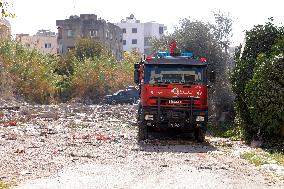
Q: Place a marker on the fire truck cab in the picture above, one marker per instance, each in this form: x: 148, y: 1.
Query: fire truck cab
x: 173, y: 92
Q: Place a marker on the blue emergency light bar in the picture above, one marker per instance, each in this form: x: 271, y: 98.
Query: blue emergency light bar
x: 187, y: 54
x: 167, y: 54
x: 163, y: 54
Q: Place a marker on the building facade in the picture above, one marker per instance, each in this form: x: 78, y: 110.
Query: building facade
x: 44, y: 41
x: 5, y: 28
x: 89, y: 26
x: 137, y: 35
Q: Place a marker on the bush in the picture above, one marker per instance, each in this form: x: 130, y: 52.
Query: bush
x: 89, y: 48
x: 46, y: 79
x: 92, y: 78
x: 30, y: 71
x: 254, y: 81
x: 265, y: 96
x: 95, y: 72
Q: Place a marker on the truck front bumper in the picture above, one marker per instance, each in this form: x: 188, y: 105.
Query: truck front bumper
x: 163, y: 117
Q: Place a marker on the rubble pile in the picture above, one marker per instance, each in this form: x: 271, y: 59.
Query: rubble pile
x: 37, y: 140
x: 42, y: 140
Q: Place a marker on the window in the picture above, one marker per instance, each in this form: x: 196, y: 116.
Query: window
x: 110, y: 36
x: 93, y: 33
x: 134, y: 41
x: 47, y: 45
x: 134, y: 30
x: 27, y: 45
x: 170, y: 74
x: 123, y: 30
x: 122, y: 93
x: 124, y: 42
x: 69, y: 33
x: 161, y: 30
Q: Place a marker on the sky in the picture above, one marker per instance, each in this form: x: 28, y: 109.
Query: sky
x: 33, y: 15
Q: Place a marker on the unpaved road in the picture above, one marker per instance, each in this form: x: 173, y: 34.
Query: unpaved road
x: 74, y: 146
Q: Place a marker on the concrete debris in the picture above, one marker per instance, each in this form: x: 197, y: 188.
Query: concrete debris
x: 20, y: 151
x: 25, y: 172
x: 39, y: 140
x: 256, y: 144
x: 275, y: 168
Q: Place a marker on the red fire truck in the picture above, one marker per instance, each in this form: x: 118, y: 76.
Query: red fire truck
x: 173, y: 93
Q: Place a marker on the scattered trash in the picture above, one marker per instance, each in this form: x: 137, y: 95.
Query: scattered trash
x: 278, y: 169
x: 102, y: 137
x: 55, y: 152
x: 25, y: 172
x: 10, y: 123
x: 86, y: 136
x: 11, y: 136
x: 20, y: 151
x: 164, y: 165
x: 51, y: 131
x: 39, y: 140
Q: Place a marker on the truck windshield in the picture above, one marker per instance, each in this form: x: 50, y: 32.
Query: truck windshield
x: 180, y: 74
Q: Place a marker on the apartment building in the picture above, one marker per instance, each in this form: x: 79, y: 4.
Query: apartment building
x: 137, y: 35
x: 44, y: 41
x: 89, y: 26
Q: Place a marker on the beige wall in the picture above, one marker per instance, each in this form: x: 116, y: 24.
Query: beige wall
x: 44, y: 44
x: 5, y: 28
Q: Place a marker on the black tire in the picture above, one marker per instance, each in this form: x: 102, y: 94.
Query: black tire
x: 199, y: 134
x: 139, y: 114
x: 142, y: 132
x: 142, y: 127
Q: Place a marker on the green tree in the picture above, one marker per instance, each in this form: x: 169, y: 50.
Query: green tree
x: 89, y: 48
x: 260, y: 39
x: 161, y: 44
x: 265, y: 97
x: 223, y: 29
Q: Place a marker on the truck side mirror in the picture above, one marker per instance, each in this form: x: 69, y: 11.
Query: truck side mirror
x: 212, y: 77
x: 136, y: 73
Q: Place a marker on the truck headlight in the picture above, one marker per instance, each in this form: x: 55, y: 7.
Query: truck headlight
x: 149, y: 117
x: 200, y: 118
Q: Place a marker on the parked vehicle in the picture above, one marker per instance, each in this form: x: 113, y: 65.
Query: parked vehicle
x: 129, y: 95
x: 173, y: 93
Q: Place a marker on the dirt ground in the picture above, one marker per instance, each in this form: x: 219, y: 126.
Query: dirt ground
x: 78, y: 146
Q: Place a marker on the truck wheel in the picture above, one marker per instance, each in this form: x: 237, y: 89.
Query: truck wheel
x: 139, y: 114
x: 199, y: 134
x: 142, y: 132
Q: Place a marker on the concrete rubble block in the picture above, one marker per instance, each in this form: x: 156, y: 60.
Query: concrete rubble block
x: 51, y: 115
x: 278, y: 169
x: 256, y: 144
x: 11, y: 136
x: 20, y: 150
